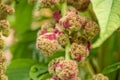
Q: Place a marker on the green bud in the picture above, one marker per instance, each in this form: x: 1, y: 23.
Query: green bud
x: 100, y: 77
x: 5, y: 32
x: 2, y: 43
x: 62, y: 39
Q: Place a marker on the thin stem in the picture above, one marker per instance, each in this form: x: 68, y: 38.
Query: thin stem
x: 67, y: 56
x: 89, y: 68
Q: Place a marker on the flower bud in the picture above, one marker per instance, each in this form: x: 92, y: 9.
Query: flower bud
x: 2, y: 68
x: 3, y: 77
x: 100, y: 77
x: 62, y: 39
x: 2, y: 59
x: 79, y: 52
x: 2, y: 43
x: 6, y: 9
x: 67, y: 69
x: 71, y: 21
x: 53, y: 64
x: 80, y: 4
x: 5, y: 32
x: 47, y: 44
x: 90, y: 30
x: 4, y: 24
x: 57, y: 15
x: 48, y: 3
x: 32, y: 1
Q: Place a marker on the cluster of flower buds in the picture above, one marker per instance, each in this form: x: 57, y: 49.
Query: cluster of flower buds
x: 100, y: 77
x: 62, y: 69
x: 4, y: 30
x: 71, y: 28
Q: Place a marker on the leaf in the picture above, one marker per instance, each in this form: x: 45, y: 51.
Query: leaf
x: 19, y: 69
x: 59, y: 53
x: 23, y: 16
x: 22, y: 50
x: 108, y: 15
x: 38, y: 70
x: 111, y: 68
x: 45, y: 76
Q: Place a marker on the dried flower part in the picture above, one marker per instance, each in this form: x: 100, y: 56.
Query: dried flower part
x: 80, y: 4
x: 67, y: 69
x: 62, y: 39
x: 57, y: 15
x: 3, y: 77
x: 100, y: 77
x: 47, y: 43
x: 5, y: 32
x: 90, y: 31
x: 2, y: 43
x: 45, y: 12
x: 53, y: 64
x: 71, y: 21
x: 54, y: 78
x: 4, y: 24
x: 6, y: 9
x: 32, y: 1
x: 79, y: 52
x: 47, y: 25
x: 48, y: 3
x: 70, y: 1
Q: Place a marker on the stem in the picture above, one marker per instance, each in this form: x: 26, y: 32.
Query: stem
x: 89, y: 68
x: 64, y: 8
x: 67, y: 56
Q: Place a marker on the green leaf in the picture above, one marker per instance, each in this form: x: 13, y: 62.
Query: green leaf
x: 38, y: 70
x: 22, y: 50
x: 108, y: 15
x: 23, y: 16
x: 19, y: 69
x: 45, y: 76
x: 57, y: 54
x: 111, y: 68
